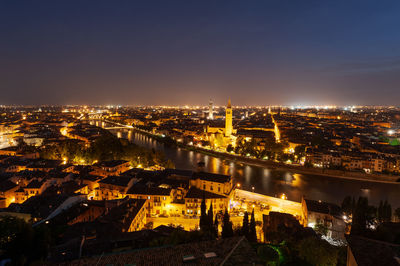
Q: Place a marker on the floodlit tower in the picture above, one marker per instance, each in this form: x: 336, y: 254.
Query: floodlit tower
x: 228, y: 120
x: 210, y: 110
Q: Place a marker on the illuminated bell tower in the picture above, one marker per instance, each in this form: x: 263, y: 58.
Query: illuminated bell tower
x: 228, y: 120
x: 210, y: 110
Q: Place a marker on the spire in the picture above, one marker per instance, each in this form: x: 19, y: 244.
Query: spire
x: 229, y: 104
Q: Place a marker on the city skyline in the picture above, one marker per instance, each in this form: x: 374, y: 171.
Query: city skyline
x: 182, y: 53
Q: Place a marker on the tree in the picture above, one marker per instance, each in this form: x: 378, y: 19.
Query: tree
x: 227, y: 230
x: 216, y: 225
x: 210, y: 214
x: 268, y: 255
x: 229, y: 148
x: 321, y: 229
x: 252, y: 228
x: 380, y: 212
x: 397, y: 213
x: 359, y: 216
x: 384, y: 212
x: 22, y: 243
x: 317, y: 252
x: 245, y: 226
x: 387, y: 212
x: 363, y: 216
x: 348, y: 205
x: 210, y: 220
x: 203, y: 215
x: 299, y: 151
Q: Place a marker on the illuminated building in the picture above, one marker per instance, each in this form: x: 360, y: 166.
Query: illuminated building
x: 228, y: 120
x: 210, y: 110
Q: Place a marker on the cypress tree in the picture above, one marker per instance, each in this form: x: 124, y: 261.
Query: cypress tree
x: 387, y: 212
x: 227, y: 230
x: 360, y: 215
x: 245, y: 226
x: 380, y: 212
x: 216, y: 225
x: 210, y: 216
x: 203, y: 215
x: 347, y: 205
x: 252, y: 229
x: 353, y: 206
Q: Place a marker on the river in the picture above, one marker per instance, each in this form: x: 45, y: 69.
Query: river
x: 273, y: 182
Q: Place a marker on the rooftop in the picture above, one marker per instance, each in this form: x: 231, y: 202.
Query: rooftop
x: 211, y: 177
x: 195, y: 193
x: 145, y: 190
x: 368, y: 252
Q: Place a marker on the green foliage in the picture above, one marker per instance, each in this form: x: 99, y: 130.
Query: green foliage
x: 227, y: 230
x: 268, y: 255
x: 397, y: 213
x: 252, y: 237
x: 203, y: 216
x: 245, y: 225
x: 216, y: 225
x: 363, y: 215
x: 106, y: 147
x: 22, y: 243
x: 317, y: 252
x: 229, y: 148
x: 300, y: 151
x: 348, y: 205
x: 384, y: 212
x: 321, y: 229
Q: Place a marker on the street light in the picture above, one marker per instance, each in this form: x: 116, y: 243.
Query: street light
x: 238, y: 185
x: 252, y: 188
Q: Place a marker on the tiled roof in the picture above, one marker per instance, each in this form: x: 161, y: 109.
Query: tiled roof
x: 211, y: 177
x: 7, y: 185
x: 35, y: 184
x: 368, y: 252
x: 195, y: 193
x: 112, y: 163
x: 144, y: 190
x: 231, y: 251
x: 322, y: 207
x: 117, y: 180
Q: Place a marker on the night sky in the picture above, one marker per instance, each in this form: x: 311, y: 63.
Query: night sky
x: 186, y: 52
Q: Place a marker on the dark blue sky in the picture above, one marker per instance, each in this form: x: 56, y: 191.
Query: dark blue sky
x: 185, y: 52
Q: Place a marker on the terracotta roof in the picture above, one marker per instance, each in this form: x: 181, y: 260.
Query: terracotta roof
x: 322, y: 207
x: 112, y: 163
x: 195, y: 193
x: 369, y: 252
x: 231, y: 251
x: 7, y: 185
x: 212, y: 177
x: 122, y: 181
x: 144, y: 190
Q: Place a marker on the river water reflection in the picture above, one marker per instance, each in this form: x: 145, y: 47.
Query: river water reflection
x: 273, y: 182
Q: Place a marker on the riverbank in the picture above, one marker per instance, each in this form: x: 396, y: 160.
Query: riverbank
x: 284, y: 167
